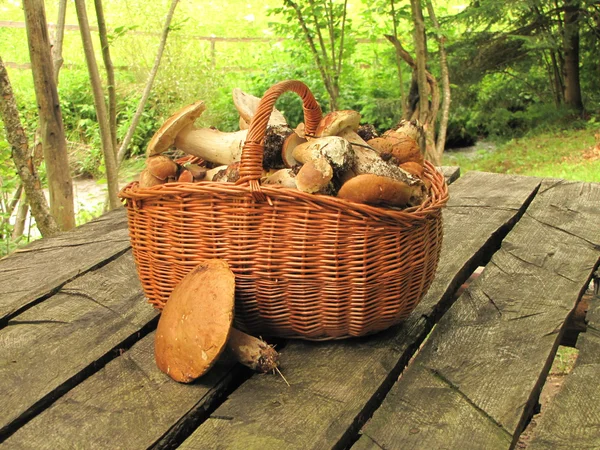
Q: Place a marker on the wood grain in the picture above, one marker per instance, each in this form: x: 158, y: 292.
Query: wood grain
x: 486, y: 360
x: 571, y: 419
x: 46, y: 349
x: 334, y: 386
x: 451, y: 173
x: 41, y: 268
x: 129, y: 404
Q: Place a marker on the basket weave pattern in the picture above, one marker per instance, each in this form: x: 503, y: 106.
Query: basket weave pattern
x: 306, y: 266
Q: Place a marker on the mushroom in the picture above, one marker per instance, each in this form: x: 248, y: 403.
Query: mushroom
x: 147, y: 180
x: 367, y: 132
x: 197, y: 171
x: 375, y: 190
x: 413, y: 168
x: 398, y: 147
x: 206, y: 143
x: 289, y: 144
x: 162, y: 167
x: 282, y: 177
x: 195, y: 326
x: 412, y: 128
x: 196, y: 321
x: 367, y: 160
x: 247, y: 105
x: 186, y: 177
x: 211, y: 173
x: 315, y: 176
x: 230, y: 173
x: 159, y: 170
x: 337, y: 151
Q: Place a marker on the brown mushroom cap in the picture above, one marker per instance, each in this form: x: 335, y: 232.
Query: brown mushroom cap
x: 164, y: 138
x: 399, y: 146
x: 147, y: 180
x: 162, y: 167
x: 414, y: 168
x: 314, y: 176
x: 186, y: 177
x: 334, y: 122
x: 374, y: 190
x: 195, y: 323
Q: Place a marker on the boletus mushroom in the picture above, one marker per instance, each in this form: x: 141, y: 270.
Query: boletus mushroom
x: 366, y: 159
x: 195, y: 326
x: 159, y: 170
x: 377, y: 190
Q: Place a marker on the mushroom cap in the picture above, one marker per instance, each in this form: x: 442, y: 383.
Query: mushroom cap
x: 314, y: 176
x: 186, y: 177
x: 375, y: 190
x: 162, y: 167
x: 334, y: 122
x: 197, y: 171
x: 414, y: 168
x: 196, y: 321
x: 247, y: 104
x: 147, y: 180
x: 398, y: 145
x: 164, y: 138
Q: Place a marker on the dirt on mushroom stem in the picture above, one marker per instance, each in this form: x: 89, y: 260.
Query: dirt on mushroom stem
x: 274, y: 138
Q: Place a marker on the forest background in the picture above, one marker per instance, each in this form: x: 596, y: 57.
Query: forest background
x: 511, y: 69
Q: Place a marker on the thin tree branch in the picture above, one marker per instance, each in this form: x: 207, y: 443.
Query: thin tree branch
x: 16, y: 137
x: 110, y: 73
x: 140, y: 108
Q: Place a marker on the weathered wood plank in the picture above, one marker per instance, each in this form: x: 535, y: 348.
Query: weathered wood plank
x: 40, y: 268
x: 475, y: 381
x: 572, y: 418
x: 451, y: 173
x: 50, y: 347
x: 128, y: 404
x: 335, y: 385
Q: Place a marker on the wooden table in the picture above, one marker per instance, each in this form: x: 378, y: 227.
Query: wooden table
x: 77, y: 367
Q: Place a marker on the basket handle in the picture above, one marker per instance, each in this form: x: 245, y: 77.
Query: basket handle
x: 253, y: 150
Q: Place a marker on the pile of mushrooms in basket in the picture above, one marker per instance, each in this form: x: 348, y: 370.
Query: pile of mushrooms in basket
x: 343, y: 158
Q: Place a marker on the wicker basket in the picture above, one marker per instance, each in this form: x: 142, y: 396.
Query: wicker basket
x: 306, y: 266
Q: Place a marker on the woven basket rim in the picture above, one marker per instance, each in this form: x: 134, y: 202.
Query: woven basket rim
x: 436, y: 199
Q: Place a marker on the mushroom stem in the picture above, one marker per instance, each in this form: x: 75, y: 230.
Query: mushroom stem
x: 252, y: 352
x: 211, y: 144
x: 247, y: 105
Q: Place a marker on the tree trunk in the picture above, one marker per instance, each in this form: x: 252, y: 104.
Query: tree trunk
x: 140, y: 108
x: 15, y: 135
x: 110, y: 73
x: 558, y: 82
x: 398, y: 60
x: 571, y: 51
x: 441, y: 138
x: 421, y: 59
x: 110, y: 160
x: 59, y: 38
x: 53, y: 138
x: 20, y: 219
x: 427, y: 112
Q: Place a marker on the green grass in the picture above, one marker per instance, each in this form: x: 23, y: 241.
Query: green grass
x: 566, y: 154
x: 564, y: 360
